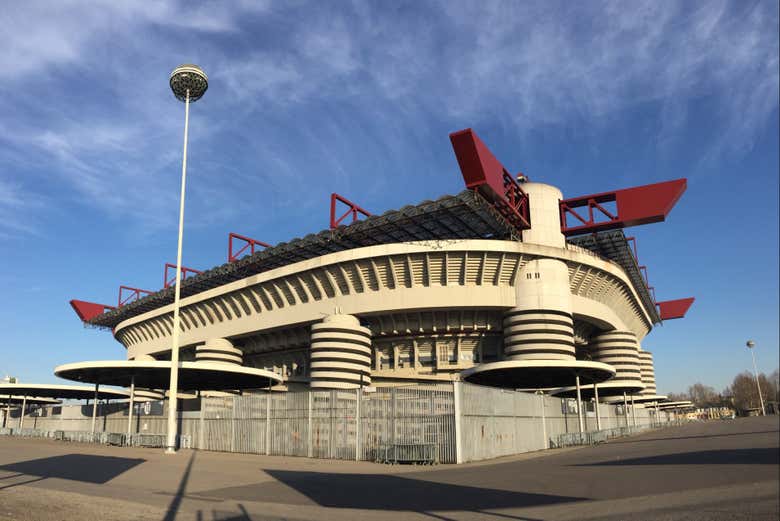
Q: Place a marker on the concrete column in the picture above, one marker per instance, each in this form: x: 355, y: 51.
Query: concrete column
x: 24, y: 408
x: 310, y: 451
x: 596, y: 405
x: 625, y: 408
x: 94, y: 407
x: 633, y: 411
x: 268, y: 421
x: 456, y: 396
x: 540, y: 326
x: 130, y: 411
x: 358, y: 396
x: 579, y: 403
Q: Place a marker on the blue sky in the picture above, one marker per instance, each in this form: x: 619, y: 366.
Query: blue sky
x: 359, y: 98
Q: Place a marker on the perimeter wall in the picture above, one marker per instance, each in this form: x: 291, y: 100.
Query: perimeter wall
x: 445, y: 423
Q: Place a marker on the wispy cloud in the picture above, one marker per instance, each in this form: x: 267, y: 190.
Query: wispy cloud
x: 83, y: 88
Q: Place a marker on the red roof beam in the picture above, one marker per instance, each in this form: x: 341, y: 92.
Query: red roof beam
x: 671, y: 309
x: 353, y: 210
x: 133, y: 294
x: 170, y: 281
x: 250, y: 244
x: 634, y: 206
x: 483, y: 172
x: 89, y: 310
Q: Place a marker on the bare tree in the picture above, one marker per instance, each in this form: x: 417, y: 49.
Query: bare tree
x: 745, y: 392
x: 704, y: 395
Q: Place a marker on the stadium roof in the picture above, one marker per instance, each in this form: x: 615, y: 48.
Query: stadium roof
x: 466, y: 215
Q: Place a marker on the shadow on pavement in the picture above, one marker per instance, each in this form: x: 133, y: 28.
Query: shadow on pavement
x: 380, y: 492
x: 77, y: 467
x: 617, y: 442
x: 173, y: 508
x: 762, y: 456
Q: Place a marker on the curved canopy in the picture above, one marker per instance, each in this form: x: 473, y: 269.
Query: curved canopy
x: 638, y: 398
x: 537, y: 374
x: 66, y: 392
x: 685, y: 404
x: 31, y: 400
x: 155, y: 374
x: 605, y: 389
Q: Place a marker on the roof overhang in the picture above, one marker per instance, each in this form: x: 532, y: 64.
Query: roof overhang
x: 536, y: 374
x: 605, y: 389
x: 64, y: 392
x: 211, y: 376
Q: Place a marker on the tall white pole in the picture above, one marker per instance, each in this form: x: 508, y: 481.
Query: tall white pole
x: 130, y: 411
x: 174, y: 385
x: 24, y: 407
x: 579, y: 403
x: 625, y: 408
x: 596, y: 405
x: 758, y: 386
x: 94, y: 407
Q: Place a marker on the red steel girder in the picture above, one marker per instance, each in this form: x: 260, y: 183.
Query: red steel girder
x: 484, y: 173
x: 671, y: 309
x: 251, y: 244
x: 170, y: 281
x: 353, y: 210
x: 134, y: 294
x: 634, y: 206
x: 89, y: 310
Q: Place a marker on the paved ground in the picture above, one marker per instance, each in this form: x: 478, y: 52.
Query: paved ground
x: 720, y: 470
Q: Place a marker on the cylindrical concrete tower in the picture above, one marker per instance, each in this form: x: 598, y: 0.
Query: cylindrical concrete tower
x: 647, y: 372
x: 620, y: 350
x: 544, y: 205
x: 219, y: 350
x: 340, y: 353
x: 540, y: 326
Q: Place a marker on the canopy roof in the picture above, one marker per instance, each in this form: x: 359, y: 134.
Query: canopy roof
x: 210, y: 376
x: 536, y: 374
x: 677, y: 405
x: 31, y: 400
x: 67, y: 392
x: 606, y: 389
x: 638, y: 398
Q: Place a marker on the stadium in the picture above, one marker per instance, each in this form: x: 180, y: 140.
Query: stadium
x: 506, y: 284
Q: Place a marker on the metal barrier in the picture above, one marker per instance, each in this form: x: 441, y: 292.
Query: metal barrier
x: 446, y: 423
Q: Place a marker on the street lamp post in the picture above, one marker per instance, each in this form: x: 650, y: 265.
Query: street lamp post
x: 750, y: 345
x: 188, y: 83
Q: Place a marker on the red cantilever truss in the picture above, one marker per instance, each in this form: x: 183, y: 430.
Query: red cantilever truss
x: 89, y: 310
x: 640, y: 205
x: 670, y: 309
x: 170, y: 281
x: 251, y: 244
x: 353, y: 210
x: 132, y: 294
x: 484, y: 173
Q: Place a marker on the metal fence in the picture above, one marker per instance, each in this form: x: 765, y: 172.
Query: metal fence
x: 450, y: 423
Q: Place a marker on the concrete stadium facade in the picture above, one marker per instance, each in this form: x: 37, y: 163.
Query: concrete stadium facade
x: 491, y: 286
x: 416, y: 311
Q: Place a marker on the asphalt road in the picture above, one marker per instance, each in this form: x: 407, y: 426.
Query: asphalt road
x: 719, y: 470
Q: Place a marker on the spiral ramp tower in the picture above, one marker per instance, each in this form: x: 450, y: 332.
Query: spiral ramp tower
x: 539, y: 349
x: 647, y: 372
x: 340, y: 353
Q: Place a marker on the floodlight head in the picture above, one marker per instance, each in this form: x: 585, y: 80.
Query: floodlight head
x: 750, y: 344
x: 188, y: 78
